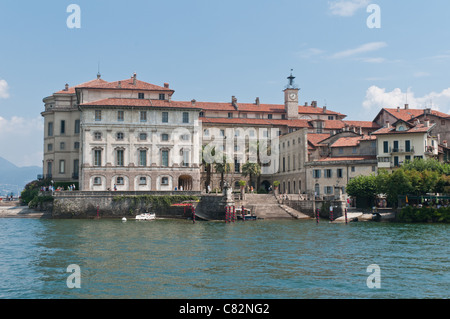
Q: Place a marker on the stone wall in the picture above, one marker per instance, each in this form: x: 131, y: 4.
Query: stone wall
x: 102, y: 204
x: 309, y: 207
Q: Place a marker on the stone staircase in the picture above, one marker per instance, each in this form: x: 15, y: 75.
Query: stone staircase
x: 267, y: 206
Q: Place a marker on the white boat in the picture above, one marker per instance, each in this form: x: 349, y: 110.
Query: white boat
x: 146, y: 216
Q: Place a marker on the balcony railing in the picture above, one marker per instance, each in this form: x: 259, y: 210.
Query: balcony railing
x: 401, y: 150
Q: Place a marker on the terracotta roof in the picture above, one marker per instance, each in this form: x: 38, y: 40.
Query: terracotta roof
x: 140, y: 103
x: 93, y: 83
x: 408, y: 114
x: 419, y: 128
x: 315, y: 138
x: 128, y: 84
x: 243, y: 121
x: 363, y: 124
x: 352, y: 141
x: 347, y: 158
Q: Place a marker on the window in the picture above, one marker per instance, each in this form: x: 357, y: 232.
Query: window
x: 341, y: 150
x: 142, y: 158
x: 328, y: 189
x: 165, y: 158
x: 97, y: 158
x: 385, y: 147
x: 327, y: 173
x: 49, y: 169
x: 141, y: 96
x: 77, y: 127
x: 119, y: 136
x: 206, y: 132
x: 284, y: 164
x: 164, y: 137
x: 316, y: 173
x: 269, y: 116
x: 165, y: 117
x: 396, y: 161
x: 407, y: 158
x: 76, y: 145
x: 142, y: 180
x: 230, y: 115
x: 184, y: 137
x: 143, y: 116
x: 97, y: 180
x: 119, y: 158
x: 63, y: 127
x: 339, y: 173
x: 62, y: 166
x: 330, y: 117
x: 353, y: 168
x: 98, y: 115
x: 185, y: 117
x: 283, y: 116
x: 165, y: 181
x: 395, y: 146
x: 120, y: 116
x: 50, y: 147
x: 407, y: 146
x: 222, y: 132
x: 237, y: 166
x: 50, y: 128
x: 201, y: 114
x: 142, y: 136
x: 162, y: 96
x: 354, y: 150
x: 373, y: 168
x: 186, y: 158
x: 119, y: 180
x: 97, y: 136
x: 62, y: 145
x: 244, y: 115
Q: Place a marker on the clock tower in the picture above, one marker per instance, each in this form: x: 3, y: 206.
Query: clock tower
x: 291, y: 99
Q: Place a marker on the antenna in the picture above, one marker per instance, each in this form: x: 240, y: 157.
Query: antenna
x: 98, y: 70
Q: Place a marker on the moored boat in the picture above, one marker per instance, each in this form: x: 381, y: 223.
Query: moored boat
x: 146, y: 216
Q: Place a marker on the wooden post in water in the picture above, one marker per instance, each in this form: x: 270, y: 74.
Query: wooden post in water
x: 193, y: 213
x: 243, y: 214
x: 346, y: 222
x: 317, y: 215
x: 234, y: 214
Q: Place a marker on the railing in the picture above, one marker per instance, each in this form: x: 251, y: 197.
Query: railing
x: 401, y: 150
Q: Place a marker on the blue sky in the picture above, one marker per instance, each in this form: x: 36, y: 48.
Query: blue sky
x: 210, y: 50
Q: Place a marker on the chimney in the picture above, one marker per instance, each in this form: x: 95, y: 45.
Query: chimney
x: 427, y: 122
x: 406, y: 106
x: 398, y: 108
x: 314, y: 103
x: 120, y: 84
x: 234, y: 101
x: 324, y: 109
x: 193, y: 102
x: 361, y: 131
x: 134, y: 78
x: 66, y: 88
x: 166, y: 85
x: 306, y: 103
x: 257, y: 101
x: 427, y: 111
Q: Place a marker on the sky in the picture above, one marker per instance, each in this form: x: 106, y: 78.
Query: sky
x: 353, y: 60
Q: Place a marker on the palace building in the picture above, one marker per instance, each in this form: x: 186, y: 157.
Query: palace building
x: 132, y: 135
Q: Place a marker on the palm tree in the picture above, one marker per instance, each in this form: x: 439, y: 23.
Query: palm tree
x: 251, y: 169
x: 222, y: 167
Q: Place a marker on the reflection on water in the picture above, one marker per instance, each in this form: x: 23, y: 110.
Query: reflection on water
x: 262, y: 259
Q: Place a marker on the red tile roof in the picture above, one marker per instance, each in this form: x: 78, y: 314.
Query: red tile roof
x: 408, y: 114
x: 128, y: 84
x: 93, y: 83
x: 315, y: 138
x: 140, y: 103
x: 419, y: 128
x: 352, y: 141
x: 362, y: 124
x: 267, y: 122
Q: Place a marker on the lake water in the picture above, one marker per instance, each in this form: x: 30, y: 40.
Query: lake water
x: 263, y: 259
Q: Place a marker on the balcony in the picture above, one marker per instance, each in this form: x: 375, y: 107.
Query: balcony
x: 393, y: 150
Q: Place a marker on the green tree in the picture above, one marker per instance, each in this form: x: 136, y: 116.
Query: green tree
x: 397, y: 184
x: 251, y: 170
x: 364, y: 189
x: 222, y: 167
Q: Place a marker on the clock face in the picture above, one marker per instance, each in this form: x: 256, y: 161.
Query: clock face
x: 292, y: 96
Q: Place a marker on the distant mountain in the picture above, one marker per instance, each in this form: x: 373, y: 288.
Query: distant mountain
x: 16, y: 177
